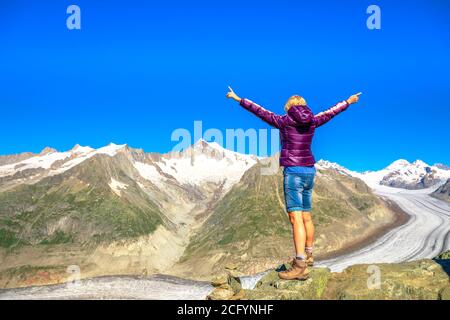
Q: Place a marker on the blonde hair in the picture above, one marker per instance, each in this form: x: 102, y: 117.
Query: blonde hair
x: 294, y: 101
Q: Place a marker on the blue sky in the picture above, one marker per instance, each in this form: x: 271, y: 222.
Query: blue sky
x: 138, y: 70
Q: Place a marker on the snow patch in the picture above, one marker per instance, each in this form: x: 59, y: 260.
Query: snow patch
x: 71, y: 159
x: 149, y: 172
x: 117, y: 186
x: 111, y: 150
x: 201, y: 169
x: 41, y: 161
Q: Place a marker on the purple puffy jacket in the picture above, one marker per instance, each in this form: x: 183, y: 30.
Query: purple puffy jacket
x: 296, y: 130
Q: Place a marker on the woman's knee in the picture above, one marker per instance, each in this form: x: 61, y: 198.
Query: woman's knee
x: 306, y: 217
x: 295, y: 217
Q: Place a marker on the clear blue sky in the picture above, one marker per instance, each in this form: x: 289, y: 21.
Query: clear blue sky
x: 137, y: 70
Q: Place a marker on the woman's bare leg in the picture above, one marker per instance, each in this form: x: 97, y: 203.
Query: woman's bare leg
x: 309, y: 228
x: 299, y: 232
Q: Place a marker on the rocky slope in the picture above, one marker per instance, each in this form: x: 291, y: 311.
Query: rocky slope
x: 443, y: 192
x: 110, y: 210
x: 418, y: 280
x: 119, y: 210
x: 249, y: 226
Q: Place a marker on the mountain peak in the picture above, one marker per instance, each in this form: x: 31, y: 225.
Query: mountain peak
x: 397, y: 164
x: 80, y: 149
x: 112, y: 149
x: 420, y: 163
x: 441, y: 166
x: 214, y: 149
x: 203, y: 145
x: 47, y: 150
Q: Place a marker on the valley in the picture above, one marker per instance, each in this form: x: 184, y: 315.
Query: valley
x: 119, y: 211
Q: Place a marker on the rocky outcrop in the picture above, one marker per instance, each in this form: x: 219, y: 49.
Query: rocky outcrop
x: 272, y: 287
x: 227, y: 286
x: 443, y: 192
x: 418, y: 280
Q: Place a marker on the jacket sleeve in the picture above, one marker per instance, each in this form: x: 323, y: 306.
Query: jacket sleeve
x: 271, y: 118
x: 325, y: 116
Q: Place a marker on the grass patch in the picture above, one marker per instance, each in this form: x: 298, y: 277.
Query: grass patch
x: 60, y: 237
x: 7, y: 238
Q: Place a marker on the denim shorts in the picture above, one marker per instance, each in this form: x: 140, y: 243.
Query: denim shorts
x: 298, y: 186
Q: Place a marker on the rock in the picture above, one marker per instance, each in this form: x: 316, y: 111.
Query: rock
x: 421, y: 280
x: 272, y: 287
x: 445, y: 293
x: 231, y: 266
x: 219, y: 280
x: 239, y: 296
x: 235, y: 284
x: 234, y: 273
x: 226, y: 286
x: 220, y: 294
x: 144, y: 273
x: 424, y: 280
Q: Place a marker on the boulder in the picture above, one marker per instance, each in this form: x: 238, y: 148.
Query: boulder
x: 239, y: 296
x: 219, y: 280
x: 231, y: 266
x: 272, y: 287
x: 235, y: 284
x: 417, y: 280
x: 227, y: 287
x: 445, y: 293
x: 220, y: 294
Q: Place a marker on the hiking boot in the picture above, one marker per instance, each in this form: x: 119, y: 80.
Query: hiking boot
x: 298, y: 271
x: 309, y: 259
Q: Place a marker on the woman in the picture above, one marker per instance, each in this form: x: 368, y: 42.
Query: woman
x: 297, y: 128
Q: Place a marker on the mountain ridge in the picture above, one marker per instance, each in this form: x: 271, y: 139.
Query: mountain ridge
x: 117, y: 209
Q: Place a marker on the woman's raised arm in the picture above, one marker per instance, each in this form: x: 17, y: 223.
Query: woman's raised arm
x: 270, y: 118
x: 325, y: 116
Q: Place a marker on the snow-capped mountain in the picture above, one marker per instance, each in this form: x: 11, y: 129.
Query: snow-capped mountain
x: 399, y: 174
x: 173, y: 192
x: 324, y: 164
x: 131, y: 210
x: 200, y: 164
x: 30, y: 168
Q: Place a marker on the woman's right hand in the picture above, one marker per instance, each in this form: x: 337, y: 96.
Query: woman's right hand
x: 232, y: 95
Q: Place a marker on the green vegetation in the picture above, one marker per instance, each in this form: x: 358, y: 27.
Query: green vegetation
x: 418, y: 280
x: 59, y: 237
x: 7, y: 238
x: 444, y: 256
x: 251, y: 220
x: 248, y: 212
x: 79, y: 206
